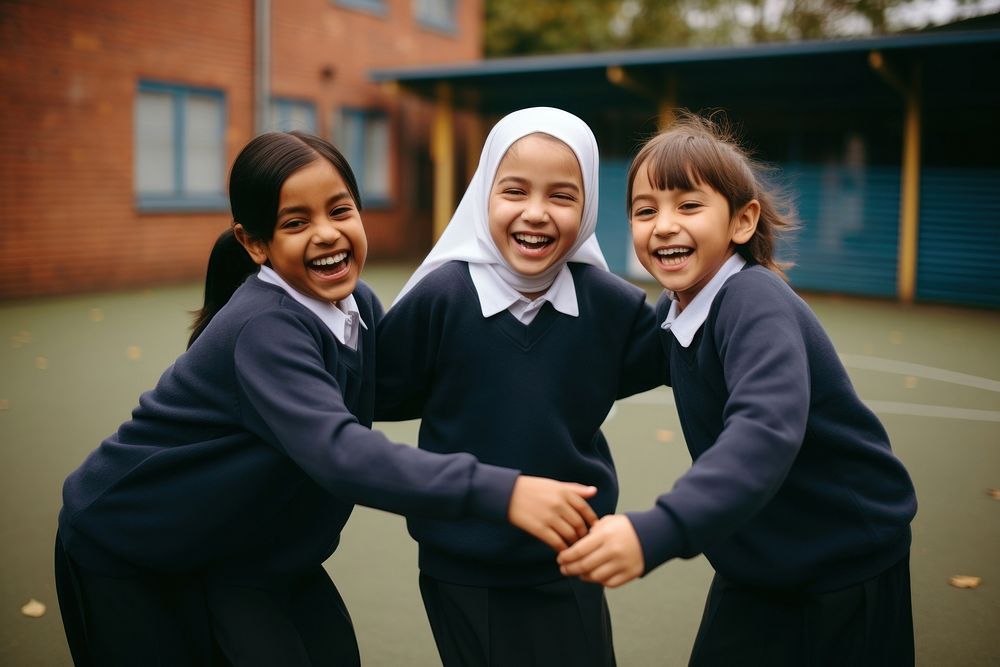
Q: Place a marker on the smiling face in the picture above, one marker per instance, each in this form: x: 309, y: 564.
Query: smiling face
x: 536, y: 204
x: 319, y: 244
x: 683, y: 237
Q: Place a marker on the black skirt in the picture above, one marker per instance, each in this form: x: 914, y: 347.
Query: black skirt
x: 565, y: 622
x: 868, y: 624
x: 202, y: 621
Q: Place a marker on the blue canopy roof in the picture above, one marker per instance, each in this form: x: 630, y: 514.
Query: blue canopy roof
x: 821, y: 72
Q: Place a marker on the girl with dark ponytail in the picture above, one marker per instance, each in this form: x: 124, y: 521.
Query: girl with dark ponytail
x: 196, y: 533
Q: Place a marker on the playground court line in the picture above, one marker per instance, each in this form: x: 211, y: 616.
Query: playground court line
x: 663, y: 396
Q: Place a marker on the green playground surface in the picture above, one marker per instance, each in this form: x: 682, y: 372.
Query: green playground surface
x: 72, y: 369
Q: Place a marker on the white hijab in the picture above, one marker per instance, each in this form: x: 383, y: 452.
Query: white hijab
x: 467, y: 237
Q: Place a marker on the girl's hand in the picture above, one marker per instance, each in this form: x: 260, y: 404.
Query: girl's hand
x: 610, y: 555
x: 557, y: 513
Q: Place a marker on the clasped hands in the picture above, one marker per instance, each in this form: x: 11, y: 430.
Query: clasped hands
x: 605, y: 551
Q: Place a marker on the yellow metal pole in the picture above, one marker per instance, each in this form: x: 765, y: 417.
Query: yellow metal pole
x: 474, y: 144
x: 909, y: 190
x: 443, y: 155
x: 909, y: 209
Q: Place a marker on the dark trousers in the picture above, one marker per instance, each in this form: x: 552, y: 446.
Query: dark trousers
x: 163, y: 621
x: 565, y: 622
x: 870, y: 623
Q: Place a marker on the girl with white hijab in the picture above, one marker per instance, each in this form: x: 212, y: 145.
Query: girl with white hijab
x: 512, y: 341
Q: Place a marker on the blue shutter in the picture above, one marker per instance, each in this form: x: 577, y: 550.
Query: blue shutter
x: 612, y: 220
x: 958, y: 258
x: 848, y: 238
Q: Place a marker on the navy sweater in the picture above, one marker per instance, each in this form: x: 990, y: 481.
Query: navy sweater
x: 248, y: 455
x: 793, y: 484
x: 532, y: 397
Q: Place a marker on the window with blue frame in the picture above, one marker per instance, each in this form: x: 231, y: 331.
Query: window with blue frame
x: 288, y: 115
x: 180, y: 149
x: 371, y: 6
x: 362, y: 135
x: 437, y: 14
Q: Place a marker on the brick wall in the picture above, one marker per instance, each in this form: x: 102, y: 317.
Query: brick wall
x: 314, y: 38
x: 69, y: 71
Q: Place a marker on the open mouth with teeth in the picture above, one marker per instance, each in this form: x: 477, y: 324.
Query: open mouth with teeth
x: 673, y: 256
x: 331, y: 266
x: 532, y: 243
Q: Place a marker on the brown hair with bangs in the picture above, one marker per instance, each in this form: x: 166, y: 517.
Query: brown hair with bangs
x: 696, y: 150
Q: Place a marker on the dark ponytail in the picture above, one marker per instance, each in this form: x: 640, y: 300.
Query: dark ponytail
x: 228, y: 266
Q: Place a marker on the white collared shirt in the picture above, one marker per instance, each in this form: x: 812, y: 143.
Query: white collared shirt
x: 496, y: 296
x: 685, y: 325
x: 342, y: 318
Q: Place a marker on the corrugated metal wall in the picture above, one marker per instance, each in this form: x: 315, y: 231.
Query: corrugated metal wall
x: 612, y: 219
x: 848, y: 238
x: 958, y: 257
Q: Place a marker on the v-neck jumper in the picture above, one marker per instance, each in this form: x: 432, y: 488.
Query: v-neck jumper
x: 529, y: 397
x: 793, y: 483
x: 247, y: 457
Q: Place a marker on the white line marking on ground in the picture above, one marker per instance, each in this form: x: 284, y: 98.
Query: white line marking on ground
x: 665, y: 397
x: 918, y: 370
x: 921, y: 410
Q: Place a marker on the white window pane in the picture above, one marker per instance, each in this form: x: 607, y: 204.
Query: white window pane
x: 203, y: 145
x: 300, y: 117
x: 349, y: 138
x: 154, y: 143
x: 437, y: 12
x: 376, y: 169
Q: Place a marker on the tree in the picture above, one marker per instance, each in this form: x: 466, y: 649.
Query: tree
x: 517, y: 27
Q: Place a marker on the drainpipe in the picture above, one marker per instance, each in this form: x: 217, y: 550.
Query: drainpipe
x: 909, y: 195
x: 261, y: 65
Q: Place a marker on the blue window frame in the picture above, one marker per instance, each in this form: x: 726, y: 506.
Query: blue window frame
x: 436, y: 14
x: 180, y: 148
x: 376, y: 7
x: 362, y: 135
x: 288, y: 114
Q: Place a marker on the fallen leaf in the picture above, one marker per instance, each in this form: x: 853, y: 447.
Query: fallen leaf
x: 33, y: 608
x: 993, y: 493
x: 910, y: 382
x: 4, y: 404
x: 133, y: 352
x: 965, y: 581
x: 20, y: 338
x: 96, y: 315
x: 41, y: 363
x: 663, y: 435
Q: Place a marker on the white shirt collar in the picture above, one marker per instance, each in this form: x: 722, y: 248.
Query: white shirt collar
x: 495, y: 295
x: 342, y: 318
x: 686, y: 324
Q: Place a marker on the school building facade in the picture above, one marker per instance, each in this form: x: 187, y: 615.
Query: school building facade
x: 887, y: 145
x: 121, y: 119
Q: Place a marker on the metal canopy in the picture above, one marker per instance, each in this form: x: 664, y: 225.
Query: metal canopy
x: 812, y: 73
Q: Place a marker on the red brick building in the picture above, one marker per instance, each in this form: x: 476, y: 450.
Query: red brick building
x: 121, y: 119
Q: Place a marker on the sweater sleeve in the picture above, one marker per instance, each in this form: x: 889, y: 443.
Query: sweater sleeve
x: 644, y: 364
x: 405, y: 350
x: 293, y: 402
x: 764, y: 359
